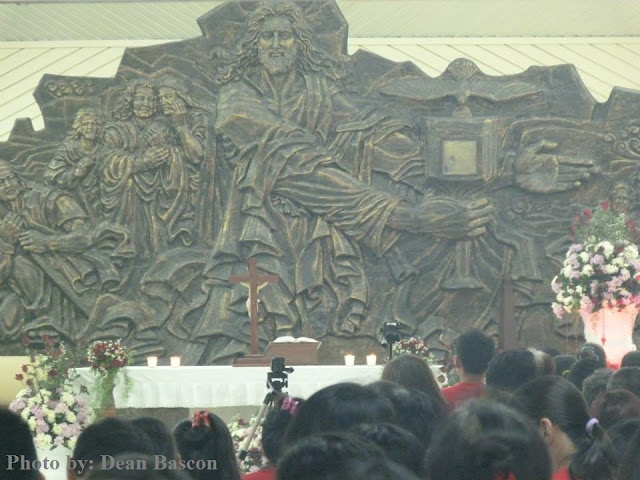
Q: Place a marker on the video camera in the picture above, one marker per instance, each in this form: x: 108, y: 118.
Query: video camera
x: 390, y: 333
x: 278, y: 377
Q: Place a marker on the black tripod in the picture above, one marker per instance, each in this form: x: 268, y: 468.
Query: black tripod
x: 277, y: 379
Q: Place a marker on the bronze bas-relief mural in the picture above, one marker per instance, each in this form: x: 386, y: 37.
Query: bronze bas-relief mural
x: 374, y: 192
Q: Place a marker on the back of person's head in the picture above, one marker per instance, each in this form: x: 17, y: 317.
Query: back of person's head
x: 594, y: 384
x: 581, y: 370
x: 474, y: 350
x: 544, y: 362
x: 411, y: 371
x: 561, y: 403
x: 275, y: 426
x: 485, y: 440
x: 593, y: 350
x: 329, y: 456
x: 161, y: 438
x: 627, y: 378
x: 551, y: 351
x: 110, y: 436
x: 400, y: 445
x: 631, y: 359
x: 563, y: 364
x: 630, y: 460
x: 337, y: 408
x: 413, y: 410
x: 16, y: 442
x: 510, y: 369
x: 612, y: 406
x: 622, y: 432
x: 137, y: 466
x: 206, y: 438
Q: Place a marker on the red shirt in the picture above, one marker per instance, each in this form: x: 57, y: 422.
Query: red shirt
x: 459, y: 393
x: 267, y: 473
x: 562, y: 474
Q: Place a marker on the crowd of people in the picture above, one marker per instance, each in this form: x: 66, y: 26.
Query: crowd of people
x: 521, y: 414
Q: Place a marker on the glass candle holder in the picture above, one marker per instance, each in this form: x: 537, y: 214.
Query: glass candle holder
x: 372, y: 359
x: 349, y: 359
x: 175, y: 360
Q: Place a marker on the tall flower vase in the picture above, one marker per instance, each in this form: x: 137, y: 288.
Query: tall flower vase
x: 106, y: 404
x: 57, y: 462
x: 613, y: 329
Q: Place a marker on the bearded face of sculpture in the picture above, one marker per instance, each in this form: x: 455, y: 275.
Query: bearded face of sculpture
x: 277, y: 45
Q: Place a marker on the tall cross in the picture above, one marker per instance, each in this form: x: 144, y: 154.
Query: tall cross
x: 254, y: 281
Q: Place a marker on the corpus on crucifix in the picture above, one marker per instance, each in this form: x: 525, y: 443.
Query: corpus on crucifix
x: 254, y: 281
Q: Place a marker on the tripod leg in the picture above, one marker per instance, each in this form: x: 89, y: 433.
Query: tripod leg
x: 244, y: 449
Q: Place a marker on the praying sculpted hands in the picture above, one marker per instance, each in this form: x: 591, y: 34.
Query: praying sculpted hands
x: 445, y: 217
x: 11, y: 231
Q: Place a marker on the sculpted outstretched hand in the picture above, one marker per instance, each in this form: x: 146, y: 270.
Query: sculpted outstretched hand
x: 34, y: 241
x: 538, y: 170
x: 10, y: 227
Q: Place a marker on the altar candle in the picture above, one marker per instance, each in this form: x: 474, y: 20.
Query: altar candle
x: 175, y: 360
x: 349, y: 359
x: 371, y: 359
x: 152, y: 361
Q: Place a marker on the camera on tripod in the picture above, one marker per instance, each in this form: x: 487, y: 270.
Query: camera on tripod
x: 278, y: 377
x: 390, y: 333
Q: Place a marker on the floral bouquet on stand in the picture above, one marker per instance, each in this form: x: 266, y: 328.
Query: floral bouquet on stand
x: 107, y: 359
x: 240, y: 430
x: 602, y: 267
x: 600, y: 279
x: 419, y: 347
x: 51, y: 402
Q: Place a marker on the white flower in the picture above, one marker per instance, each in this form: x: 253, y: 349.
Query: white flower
x: 43, y: 440
x: 71, y: 416
x: 57, y: 429
x: 587, y: 270
x: 579, y: 289
x: 584, y: 256
x: 619, y: 261
x: 67, y: 398
x: 566, y: 271
x: 611, y: 269
x: 51, y: 416
x: 607, y: 247
x: 72, y: 442
x: 32, y: 423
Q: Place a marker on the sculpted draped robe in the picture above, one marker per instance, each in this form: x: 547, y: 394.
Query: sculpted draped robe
x: 57, y: 289
x: 150, y: 202
x: 296, y: 204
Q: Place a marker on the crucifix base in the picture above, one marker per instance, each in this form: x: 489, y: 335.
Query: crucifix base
x: 253, y: 360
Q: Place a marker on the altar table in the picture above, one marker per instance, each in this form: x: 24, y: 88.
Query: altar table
x: 224, y: 386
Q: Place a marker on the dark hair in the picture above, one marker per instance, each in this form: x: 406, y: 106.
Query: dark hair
x: 582, y: 369
x: 627, y: 378
x: 551, y: 351
x: 161, y: 438
x: 485, y: 440
x: 275, y: 426
x: 147, y: 468
x: 510, y: 369
x: 326, y: 456
x: 337, y: 408
x: 400, y: 445
x: 593, y: 350
x: 594, y: 384
x: 612, y: 406
x: 110, y: 436
x: 631, y: 359
x: 206, y: 437
x: 15, y: 439
x: 413, y: 410
x: 475, y: 349
x: 411, y: 371
x: 561, y: 402
x: 622, y: 432
x: 630, y: 460
x: 563, y: 364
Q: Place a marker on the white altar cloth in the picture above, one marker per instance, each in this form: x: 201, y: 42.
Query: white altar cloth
x: 224, y: 386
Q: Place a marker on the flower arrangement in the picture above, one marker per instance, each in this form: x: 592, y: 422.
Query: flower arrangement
x: 240, y: 429
x: 53, y: 406
x: 602, y: 269
x: 107, y: 359
x: 419, y: 347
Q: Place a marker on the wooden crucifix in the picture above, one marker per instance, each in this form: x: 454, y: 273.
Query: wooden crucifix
x: 253, y: 281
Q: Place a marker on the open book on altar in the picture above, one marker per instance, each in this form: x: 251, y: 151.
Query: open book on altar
x: 294, y: 340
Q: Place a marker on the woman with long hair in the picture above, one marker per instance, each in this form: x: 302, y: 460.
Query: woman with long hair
x: 579, y: 447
